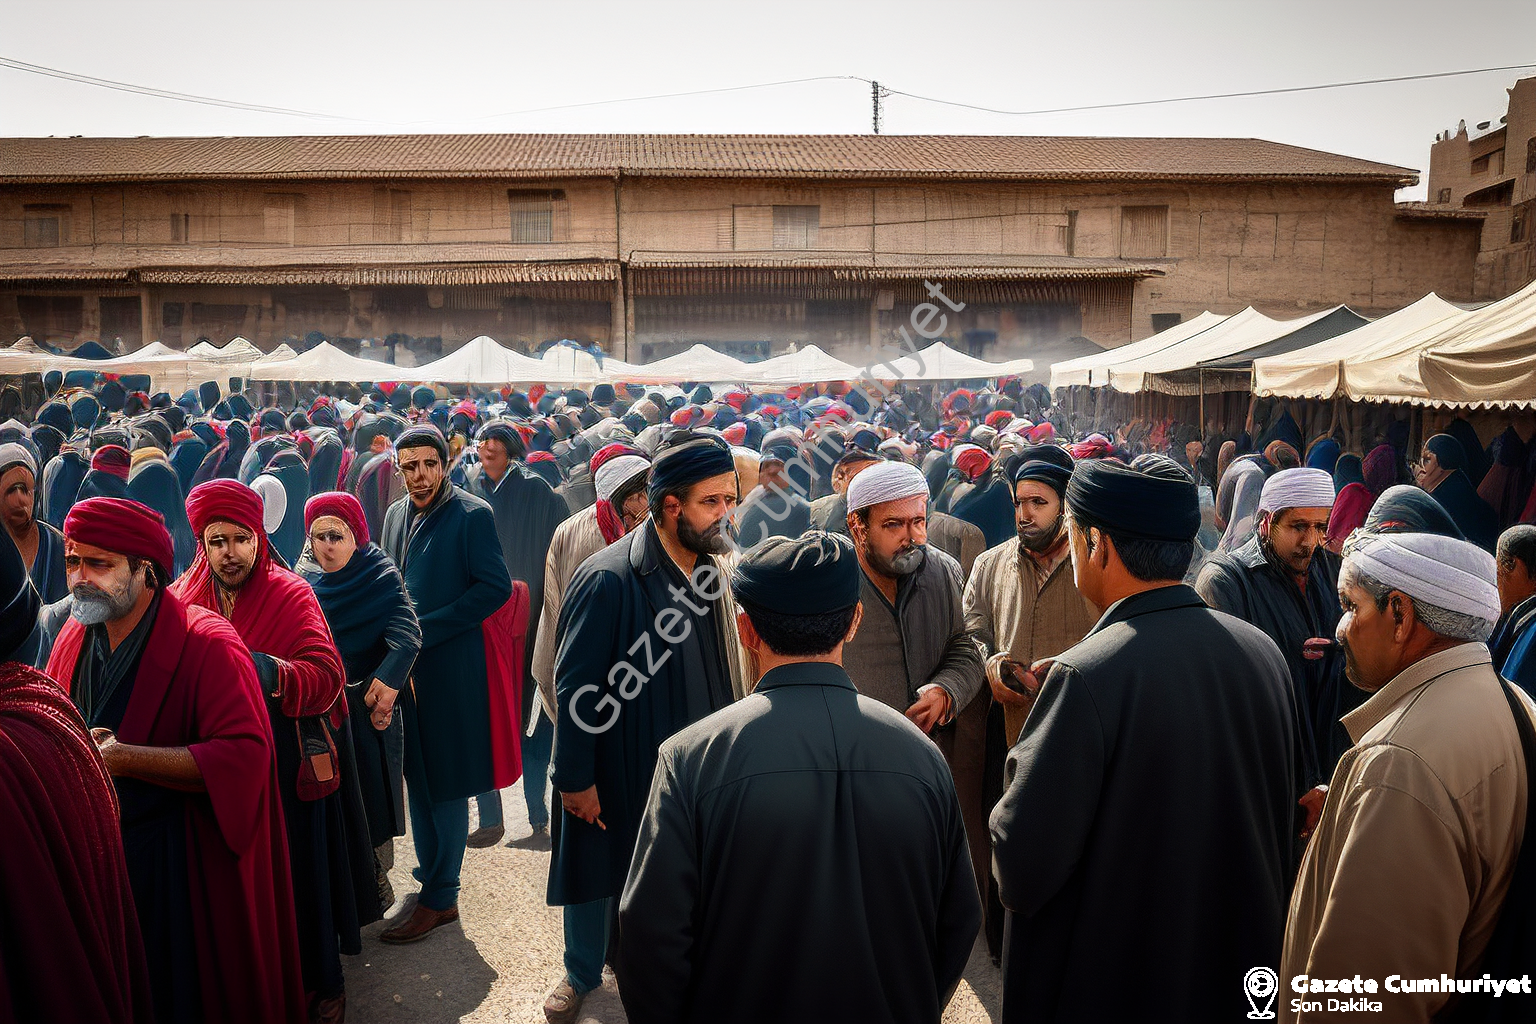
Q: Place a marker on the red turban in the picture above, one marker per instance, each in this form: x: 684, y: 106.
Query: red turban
x: 229, y: 501
x: 114, y: 459
x: 972, y: 461
x: 998, y: 419
x: 541, y: 457
x: 1043, y: 432
x: 342, y: 506
x: 535, y: 393
x: 735, y: 434
x: 610, y: 451
x: 123, y: 526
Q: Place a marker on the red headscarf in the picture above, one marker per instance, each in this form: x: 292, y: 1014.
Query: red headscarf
x: 340, y: 505
x: 123, y: 526
x: 114, y: 459
x: 972, y: 460
x: 1349, y: 511
x: 1042, y: 432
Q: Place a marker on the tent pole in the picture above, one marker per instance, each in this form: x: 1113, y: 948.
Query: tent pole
x: 1202, y: 401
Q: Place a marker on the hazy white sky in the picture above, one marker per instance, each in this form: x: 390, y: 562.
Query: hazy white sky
x: 451, y: 66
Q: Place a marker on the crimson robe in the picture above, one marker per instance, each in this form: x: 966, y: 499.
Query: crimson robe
x: 197, y: 688
x: 73, y: 950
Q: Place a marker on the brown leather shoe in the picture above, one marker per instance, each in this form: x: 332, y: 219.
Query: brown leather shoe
x: 418, y: 925
x: 331, y: 1011
x: 563, y: 1003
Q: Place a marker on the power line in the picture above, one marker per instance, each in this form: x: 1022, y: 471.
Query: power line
x: 165, y: 94
x: 1211, y: 96
x: 673, y: 95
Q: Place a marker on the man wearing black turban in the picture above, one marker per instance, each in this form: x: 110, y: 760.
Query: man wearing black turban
x: 799, y: 775
x: 1144, y: 841
x: 646, y: 644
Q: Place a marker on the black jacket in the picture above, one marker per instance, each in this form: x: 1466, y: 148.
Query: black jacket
x: 1143, y: 845
x: 801, y: 858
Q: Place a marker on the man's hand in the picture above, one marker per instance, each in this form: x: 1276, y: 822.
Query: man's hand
x: 584, y: 805
x: 108, y: 747
x: 931, y: 709
x: 996, y: 666
x: 1313, y: 802
x: 380, y: 701
x: 1315, y: 648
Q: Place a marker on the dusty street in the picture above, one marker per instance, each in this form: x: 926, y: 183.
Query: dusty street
x: 500, y: 959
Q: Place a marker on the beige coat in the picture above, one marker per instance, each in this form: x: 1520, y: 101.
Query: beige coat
x: 1418, y: 840
x: 575, y: 540
x: 1007, y: 610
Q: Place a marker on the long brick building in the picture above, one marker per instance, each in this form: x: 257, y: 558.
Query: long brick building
x: 645, y: 244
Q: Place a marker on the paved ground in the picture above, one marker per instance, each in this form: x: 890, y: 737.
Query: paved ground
x: 503, y: 955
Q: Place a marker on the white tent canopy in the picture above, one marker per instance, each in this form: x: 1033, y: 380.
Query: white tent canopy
x: 325, y: 362
x: 1360, y: 363
x: 940, y: 362
x: 1093, y: 371
x: 1237, y: 333
x: 237, y: 351
x: 563, y: 364
x: 810, y: 365
x: 1487, y: 359
x: 699, y: 363
x: 277, y: 355
x: 481, y: 361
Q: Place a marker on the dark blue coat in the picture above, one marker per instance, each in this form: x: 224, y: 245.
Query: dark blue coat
x: 611, y: 604
x: 456, y: 578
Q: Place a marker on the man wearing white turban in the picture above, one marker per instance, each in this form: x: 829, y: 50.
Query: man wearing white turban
x: 913, y: 651
x: 1285, y: 581
x: 1408, y: 872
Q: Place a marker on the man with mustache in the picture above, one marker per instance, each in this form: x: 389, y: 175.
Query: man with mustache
x: 1022, y: 605
x: 459, y: 709
x: 646, y: 644
x: 913, y: 651
x: 174, y: 704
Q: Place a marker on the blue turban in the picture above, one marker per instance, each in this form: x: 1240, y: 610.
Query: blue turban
x: 208, y: 394
x: 84, y: 410
x: 52, y: 381
x: 687, y: 459
x: 422, y: 396
x: 603, y: 394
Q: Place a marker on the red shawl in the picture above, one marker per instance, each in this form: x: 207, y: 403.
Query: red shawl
x: 74, y: 952
x: 196, y: 688
x: 505, y: 634
x: 276, y: 612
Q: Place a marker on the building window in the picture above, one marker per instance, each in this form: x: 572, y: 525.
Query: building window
x: 170, y: 314
x: 278, y: 216
x: 45, y: 224
x: 1071, y: 240
x: 181, y: 228
x: 533, y: 213
x: 1520, y: 222
x: 796, y: 227
x: 1491, y: 162
x: 1163, y: 321
x: 1530, y: 155
x: 1444, y: 196
x: 1143, y: 231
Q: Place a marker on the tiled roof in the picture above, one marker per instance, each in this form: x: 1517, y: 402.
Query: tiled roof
x: 887, y: 157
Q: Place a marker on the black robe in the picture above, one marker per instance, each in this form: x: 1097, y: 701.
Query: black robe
x: 1143, y: 844
x: 616, y: 608
x: 1249, y: 584
x: 801, y: 858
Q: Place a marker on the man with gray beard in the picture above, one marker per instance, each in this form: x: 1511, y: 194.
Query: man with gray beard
x: 913, y: 650
x: 173, y: 703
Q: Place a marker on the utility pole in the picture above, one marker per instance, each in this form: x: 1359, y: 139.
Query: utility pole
x: 874, y: 95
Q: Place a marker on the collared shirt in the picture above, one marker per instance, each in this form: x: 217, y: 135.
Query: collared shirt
x: 1418, y: 840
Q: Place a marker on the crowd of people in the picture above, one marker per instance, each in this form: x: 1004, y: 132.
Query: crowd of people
x: 819, y: 684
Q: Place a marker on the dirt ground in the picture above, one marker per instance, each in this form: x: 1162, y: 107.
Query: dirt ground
x: 499, y: 960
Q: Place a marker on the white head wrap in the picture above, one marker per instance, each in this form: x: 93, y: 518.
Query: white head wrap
x: 274, y: 501
x: 886, y: 481
x: 617, y: 471
x: 1297, y: 488
x: 1440, y: 571
x: 14, y: 454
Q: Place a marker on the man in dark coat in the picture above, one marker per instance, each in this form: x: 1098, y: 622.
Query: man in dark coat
x: 876, y: 916
x: 1143, y: 844
x: 1513, y: 644
x: 444, y: 543
x: 527, y: 512
x: 1285, y: 581
x: 646, y: 644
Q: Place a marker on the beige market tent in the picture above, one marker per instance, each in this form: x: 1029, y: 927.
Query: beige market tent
x: 481, y: 361
x: 562, y: 364
x: 1175, y: 370
x: 1359, y: 364
x: 940, y: 362
x: 325, y: 362
x: 699, y: 363
x: 1489, y: 360
x: 1093, y: 371
x: 810, y: 365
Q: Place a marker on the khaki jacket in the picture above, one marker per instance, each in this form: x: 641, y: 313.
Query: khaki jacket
x: 1006, y: 609
x: 1417, y: 843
